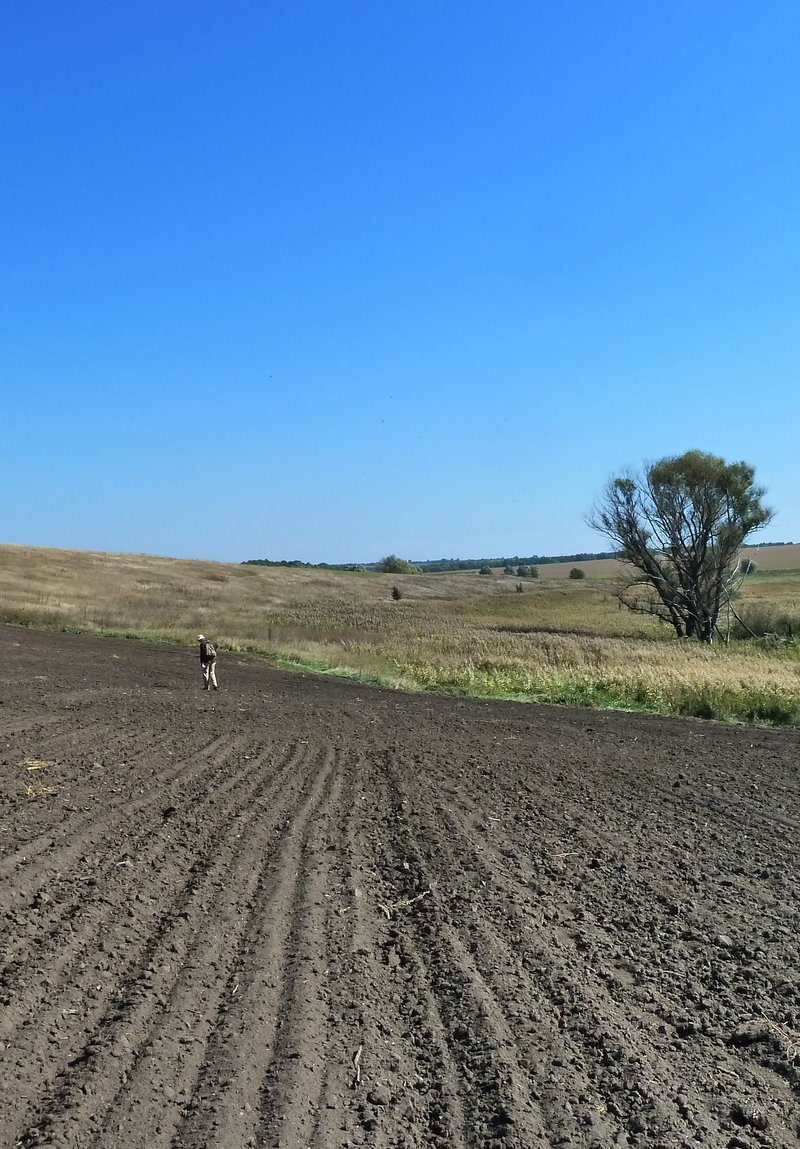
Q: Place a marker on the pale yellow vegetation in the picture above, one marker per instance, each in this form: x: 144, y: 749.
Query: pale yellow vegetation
x: 560, y: 640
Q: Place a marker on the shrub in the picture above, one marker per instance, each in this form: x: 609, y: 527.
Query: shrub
x: 576, y: 572
x: 397, y: 594
x: 534, y: 572
x: 485, y: 570
x: 393, y: 565
x: 523, y: 572
x: 765, y: 620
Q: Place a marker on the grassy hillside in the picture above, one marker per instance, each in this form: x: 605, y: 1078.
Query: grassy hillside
x: 559, y: 640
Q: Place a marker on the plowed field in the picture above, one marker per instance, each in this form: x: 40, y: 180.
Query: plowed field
x: 301, y: 912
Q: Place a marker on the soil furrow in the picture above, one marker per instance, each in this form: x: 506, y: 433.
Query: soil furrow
x: 389, y: 1071
x: 433, y: 924
x: 80, y: 907
x: 292, y: 1091
x: 624, y: 1039
x: 613, y: 1043
x: 268, y: 991
x: 478, y: 1035
x: 25, y: 723
x: 203, y: 1006
x: 54, y: 850
x: 114, y: 1017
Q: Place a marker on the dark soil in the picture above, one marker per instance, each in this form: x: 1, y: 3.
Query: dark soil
x: 303, y: 912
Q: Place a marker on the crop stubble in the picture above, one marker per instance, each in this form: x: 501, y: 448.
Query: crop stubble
x: 307, y: 913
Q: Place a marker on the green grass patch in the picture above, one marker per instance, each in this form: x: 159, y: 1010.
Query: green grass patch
x: 761, y: 575
x: 315, y: 666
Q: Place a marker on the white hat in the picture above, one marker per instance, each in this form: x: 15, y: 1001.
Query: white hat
x: 201, y: 638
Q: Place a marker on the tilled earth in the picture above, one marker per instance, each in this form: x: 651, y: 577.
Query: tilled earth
x: 302, y: 912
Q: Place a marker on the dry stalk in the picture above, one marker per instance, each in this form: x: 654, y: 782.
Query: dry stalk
x: 357, y: 1067
x: 37, y: 764
x: 39, y: 791
x: 390, y: 908
x: 790, y: 1041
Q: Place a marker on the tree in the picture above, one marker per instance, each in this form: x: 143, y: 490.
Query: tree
x: 680, y: 525
x: 485, y: 570
x: 393, y: 565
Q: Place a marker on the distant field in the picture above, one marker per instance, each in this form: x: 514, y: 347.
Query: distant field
x: 775, y: 558
x: 559, y: 640
x: 785, y: 558
x: 595, y: 568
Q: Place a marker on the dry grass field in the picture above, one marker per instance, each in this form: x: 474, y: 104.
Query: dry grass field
x: 559, y: 640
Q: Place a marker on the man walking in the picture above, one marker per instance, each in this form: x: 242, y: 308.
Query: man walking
x: 208, y: 661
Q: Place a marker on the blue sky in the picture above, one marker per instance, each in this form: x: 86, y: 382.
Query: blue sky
x: 329, y: 279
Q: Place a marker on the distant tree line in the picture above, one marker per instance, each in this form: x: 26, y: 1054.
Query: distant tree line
x: 755, y: 546
x: 513, y: 562
x: 434, y: 566
x: 391, y: 564
x: 298, y: 563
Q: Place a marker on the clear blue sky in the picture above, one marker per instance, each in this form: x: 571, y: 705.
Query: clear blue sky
x: 329, y: 279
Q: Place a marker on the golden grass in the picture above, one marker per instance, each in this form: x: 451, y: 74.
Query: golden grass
x: 559, y: 640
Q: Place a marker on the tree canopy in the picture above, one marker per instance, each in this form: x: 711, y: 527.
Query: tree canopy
x: 394, y: 565
x: 680, y: 525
